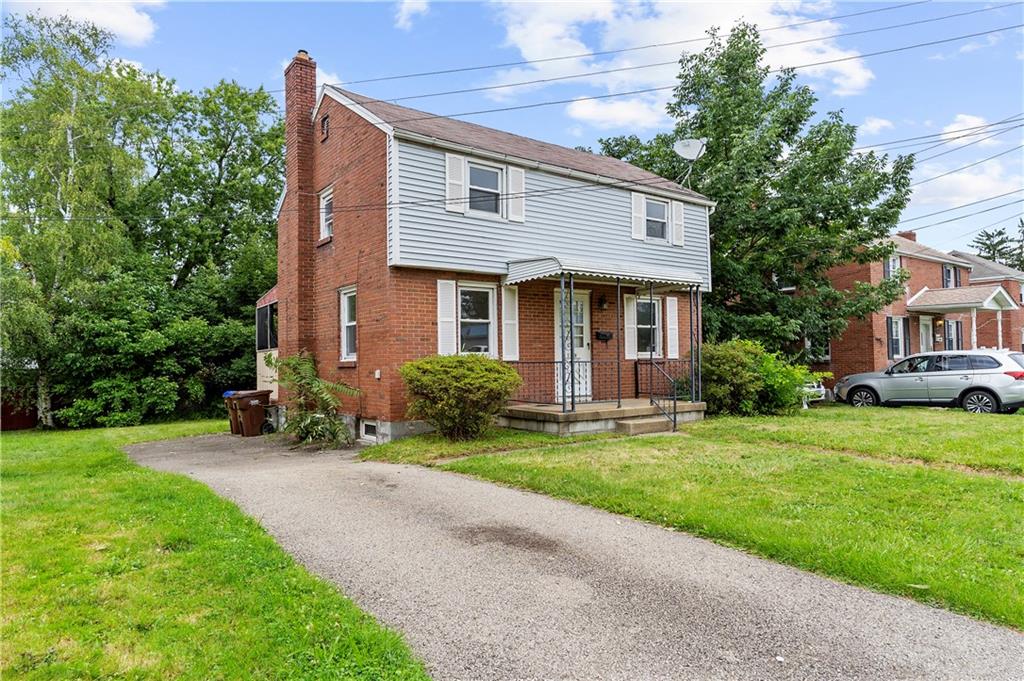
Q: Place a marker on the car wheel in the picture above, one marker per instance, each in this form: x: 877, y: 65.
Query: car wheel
x: 979, y: 402
x: 863, y: 397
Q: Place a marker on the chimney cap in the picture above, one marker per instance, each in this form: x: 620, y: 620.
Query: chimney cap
x: 302, y: 54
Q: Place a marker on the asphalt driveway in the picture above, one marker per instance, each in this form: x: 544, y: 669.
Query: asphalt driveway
x: 487, y: 582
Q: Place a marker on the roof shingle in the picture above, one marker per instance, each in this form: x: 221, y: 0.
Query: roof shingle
x: 987, y: 269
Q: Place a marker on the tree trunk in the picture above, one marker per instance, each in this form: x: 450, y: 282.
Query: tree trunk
x: 44, y: 411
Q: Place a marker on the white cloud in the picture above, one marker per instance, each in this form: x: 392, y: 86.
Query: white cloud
x: 322, y: 75
x: 873, y: 125
x: 543, y: 30
x: 967, y: 48
x: 129, y: 20
x: 614, y: 113
x: 988, y: 179
x: 962, y: 121
x: 407, y: 10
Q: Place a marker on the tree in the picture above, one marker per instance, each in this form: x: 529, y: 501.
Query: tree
x: 139, y: 233
x: 995, y: 245
x: 794, y: 199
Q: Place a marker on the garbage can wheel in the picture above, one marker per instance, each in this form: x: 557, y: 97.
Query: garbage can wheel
x: 267, y: 428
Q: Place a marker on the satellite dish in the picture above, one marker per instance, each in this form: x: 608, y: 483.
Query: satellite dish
x: 690, y: 149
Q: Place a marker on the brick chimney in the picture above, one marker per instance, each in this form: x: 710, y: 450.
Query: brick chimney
x: 910, y: 235
x: 297, y: 228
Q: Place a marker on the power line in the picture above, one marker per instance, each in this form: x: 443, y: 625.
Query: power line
x: 638, y: 67
x: 583, y: 55
x: 969, y: 215
x: 929, y: 138
x: 964, y: 146
x: 972, y: 203
x: 969, y: 165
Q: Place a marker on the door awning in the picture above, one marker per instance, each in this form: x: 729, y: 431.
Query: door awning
x: 550, y: 266
x: 961, y: 299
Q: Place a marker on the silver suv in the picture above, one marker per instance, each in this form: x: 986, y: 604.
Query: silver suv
x: 980, y: 381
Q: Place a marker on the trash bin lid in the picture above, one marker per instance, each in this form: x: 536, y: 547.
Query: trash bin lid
x: 229, y: 393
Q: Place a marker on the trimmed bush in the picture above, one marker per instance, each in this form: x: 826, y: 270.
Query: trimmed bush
x: 459, y: 395
x: 741, y: 377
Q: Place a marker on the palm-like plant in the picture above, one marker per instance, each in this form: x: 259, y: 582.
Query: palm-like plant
x: 312, y: 401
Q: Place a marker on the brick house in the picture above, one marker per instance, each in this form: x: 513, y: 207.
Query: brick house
x: 998, y: 328
x: 943, y: 308
x: 402, y: 234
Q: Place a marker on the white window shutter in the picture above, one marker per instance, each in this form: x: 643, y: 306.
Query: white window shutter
x: 672, y: 326
x: 677, y: 223
x: 639, y: 221
x: 446, y: 322
x: 516, y: 200
x: 455, y: 183
x: 510, y: 323
x: 629, y: 303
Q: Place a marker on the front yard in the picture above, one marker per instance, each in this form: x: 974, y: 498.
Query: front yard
x: 115, y: 571
x: 918, y: 502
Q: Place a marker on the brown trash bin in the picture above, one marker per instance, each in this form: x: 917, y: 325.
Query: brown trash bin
x: 250, y: 404
x: 229, y: 402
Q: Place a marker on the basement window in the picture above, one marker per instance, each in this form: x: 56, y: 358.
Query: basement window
x: 368, y: 430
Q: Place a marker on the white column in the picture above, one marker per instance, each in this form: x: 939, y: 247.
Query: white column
x: 999, y: 330
x: 974, y: 328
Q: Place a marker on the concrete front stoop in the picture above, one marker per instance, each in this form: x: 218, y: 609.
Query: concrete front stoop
x: 641, y: 425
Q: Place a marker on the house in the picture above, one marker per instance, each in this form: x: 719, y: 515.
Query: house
x: 943, y: 308
x: 998, y: 328
x: 403, y: 234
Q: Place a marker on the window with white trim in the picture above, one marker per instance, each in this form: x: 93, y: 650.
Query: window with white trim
x: 656, y: 217
x: 347, y: 299
x: 476, y: 319
x: 892, y: 266
x: 485, y: 183
x: 898, y: 342
x: 648, y: 339
x: 326, y: 213
x: 368, y: 430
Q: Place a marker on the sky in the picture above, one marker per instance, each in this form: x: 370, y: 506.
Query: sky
x: 926, y: 90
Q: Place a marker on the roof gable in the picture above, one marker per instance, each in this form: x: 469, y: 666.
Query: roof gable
x: 988, y: 269
x: 913, y: 249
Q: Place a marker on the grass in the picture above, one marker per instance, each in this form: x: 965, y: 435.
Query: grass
x: 113, y: 570
x: 940, y: 535
x: 430, y: 448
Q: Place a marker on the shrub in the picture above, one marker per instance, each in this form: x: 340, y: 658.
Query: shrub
x: 741, y: 377
x: 460, y: 394
x: 312, y: 402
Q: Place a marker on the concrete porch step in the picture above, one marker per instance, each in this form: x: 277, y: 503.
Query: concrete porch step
x: 641, y: 425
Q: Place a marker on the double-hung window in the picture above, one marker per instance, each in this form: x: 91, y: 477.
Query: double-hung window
x: 347, y: 299
x: 485, y: 184
x: 656, y: 214
x: 950, y: 276
x: 266, y: 327
x: 648, y: 327
x: 897, y: 333
x: 954, y: 334
x: 891, y: 266
x: 326, y: 213
x: 476, y: 319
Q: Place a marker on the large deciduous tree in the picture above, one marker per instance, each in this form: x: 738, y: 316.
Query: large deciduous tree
x: 137, y: 232
x: 795, y: 199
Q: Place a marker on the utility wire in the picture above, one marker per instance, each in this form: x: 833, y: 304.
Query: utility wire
x: 969, y: 215
x: 965, y: 205
x: 929, y: 138
x: 584, y: 55
x: 964, y: 146
x: 969, y: 165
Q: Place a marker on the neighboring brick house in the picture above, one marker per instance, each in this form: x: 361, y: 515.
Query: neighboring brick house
x: 993, y: 324
x: 403, y: 234
x: 943, y: 308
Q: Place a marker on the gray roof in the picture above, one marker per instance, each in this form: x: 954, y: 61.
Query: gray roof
x: 987, y: 269
x: 963, y: 297
x: 498, y: 141
x: 905, y: 246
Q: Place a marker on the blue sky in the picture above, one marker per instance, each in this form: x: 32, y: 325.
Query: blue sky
x: 915, y: 92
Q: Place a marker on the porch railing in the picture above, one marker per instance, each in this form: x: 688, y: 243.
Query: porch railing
x: 663, y: 393
x: 603, y: 380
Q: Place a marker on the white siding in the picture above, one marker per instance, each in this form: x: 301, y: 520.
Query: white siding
x: 595, y: 224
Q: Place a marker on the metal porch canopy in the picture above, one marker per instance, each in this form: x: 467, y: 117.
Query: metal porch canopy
x: 550, y: 266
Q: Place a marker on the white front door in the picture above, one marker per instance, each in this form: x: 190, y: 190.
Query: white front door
x: 927, y: 344
x: 579, y: 331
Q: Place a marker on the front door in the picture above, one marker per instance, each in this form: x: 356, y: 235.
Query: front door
x: 577, y: 327
x: 927, y: 339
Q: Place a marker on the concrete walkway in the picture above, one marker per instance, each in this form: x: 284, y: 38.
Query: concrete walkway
x: 487, y: 582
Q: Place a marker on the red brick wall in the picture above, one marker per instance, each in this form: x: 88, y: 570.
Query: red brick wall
x: 1013, y: 320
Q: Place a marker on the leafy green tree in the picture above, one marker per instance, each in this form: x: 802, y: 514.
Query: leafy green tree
x: 794, y: 198
x: 138, y: 232
x: 995, y: 245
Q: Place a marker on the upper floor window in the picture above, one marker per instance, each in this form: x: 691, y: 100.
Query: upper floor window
x: 485, y: 189
x: 348, y: 323
x: 950, y: 276
x: 890, y: 266
x: 818, y: 347
x: 325, y: 127
x: 326, y: 213
x: 656, y: 213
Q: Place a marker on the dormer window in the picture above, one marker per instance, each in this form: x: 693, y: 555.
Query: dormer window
x: 325, y: 127
x: 950, y: 276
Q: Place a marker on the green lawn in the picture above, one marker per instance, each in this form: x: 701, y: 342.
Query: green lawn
x: 952, y: 436
x: 424, y: 449
x: 112, y: 570
x: 934, y: 533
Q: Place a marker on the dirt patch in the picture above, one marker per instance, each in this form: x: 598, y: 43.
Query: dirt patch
x: 511, y: 536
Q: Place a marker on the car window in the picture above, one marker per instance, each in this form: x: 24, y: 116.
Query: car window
x: 1018, y: 358
x: 951, y: 363
x: 911, y: 365
x: 984, y: 362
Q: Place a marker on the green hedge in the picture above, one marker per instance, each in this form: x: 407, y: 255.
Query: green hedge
x: 741, y: 377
